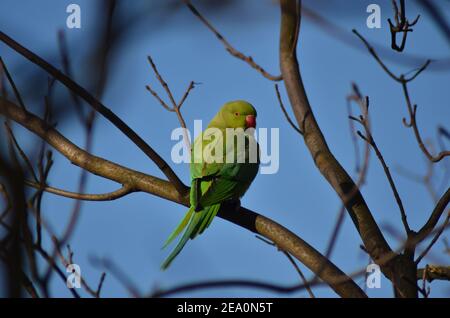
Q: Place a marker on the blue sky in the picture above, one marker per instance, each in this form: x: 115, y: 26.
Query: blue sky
x: 130, y: 231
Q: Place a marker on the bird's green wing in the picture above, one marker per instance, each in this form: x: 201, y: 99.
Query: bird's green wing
x: 221, y: 190
x: 233, y: 179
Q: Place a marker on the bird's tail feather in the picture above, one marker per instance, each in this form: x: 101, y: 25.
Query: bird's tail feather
x: 184, y: 222
x: 206, y: 220
x: 198, y: 222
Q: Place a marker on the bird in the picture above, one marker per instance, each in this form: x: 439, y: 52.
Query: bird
x: 221, y: 170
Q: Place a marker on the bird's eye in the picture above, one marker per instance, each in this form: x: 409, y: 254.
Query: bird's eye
x: 236, y: 114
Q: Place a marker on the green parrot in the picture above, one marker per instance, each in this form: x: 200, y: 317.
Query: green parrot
x: 224, y: 162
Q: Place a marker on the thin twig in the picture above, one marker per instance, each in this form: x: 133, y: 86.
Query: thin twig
x: 66, y: 261
x: 402, y: 25
x: 11, y: 82
x: 297, y: 268
x: 411, y: 109
x: 65, y: 61
x: 116, y: 272
x: 176, y: 107
x: 435, y: 238
x: 434, y: 216
x: 248, y: 59
x: 21, y: 152
x: 362, y: 173
x: 109, y: 196
x: 288, y: 118
x: 368, y: 137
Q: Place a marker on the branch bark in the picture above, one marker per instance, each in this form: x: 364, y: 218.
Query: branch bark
x: 371, y: 235
x: 331, y: 169
x: 434, y: 272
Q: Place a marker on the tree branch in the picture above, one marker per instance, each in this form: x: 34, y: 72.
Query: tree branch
x: 412, y: 109
x: 248, y: 59
x: 288, y: 118
x: 99, y: 107
x: 368, y: 137
x: 402, y: 25
x: 434, y: 217
x: 11, y: 82
x: 435, y: 238
x: 282, y: 237
x: 331, y: 169
x: 114, y: 195
x: 434, y: 272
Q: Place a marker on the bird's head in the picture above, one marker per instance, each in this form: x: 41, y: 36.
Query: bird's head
x: 238, y: 114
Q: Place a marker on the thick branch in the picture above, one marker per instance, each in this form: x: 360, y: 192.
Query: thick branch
x: 434, y: 272
x: 282, y: 237
x: 331, y: 169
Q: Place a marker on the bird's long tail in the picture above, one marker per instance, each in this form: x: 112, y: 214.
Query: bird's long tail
x: 196, y: 223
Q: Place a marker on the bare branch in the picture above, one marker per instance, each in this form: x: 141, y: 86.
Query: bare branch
x: 435, y: 238
x: 413, y: 123
x: 248, y: 59
x: 114, y: 195
x: 21, y: 152
x: 69, y: 260
x: 116, y: 272
x: 434, y: 272
x: 160, y: 100
x: 99, y: 107
x: 292, y: 261
x: 402, y: 25
x: 65, y: 61
x: 188, y: 90
x: 370, y: 140
x: 411, y: 109
x: 176, y: 108
x: 434, y: 217
x: 288, y: 118
x: 11, y: 82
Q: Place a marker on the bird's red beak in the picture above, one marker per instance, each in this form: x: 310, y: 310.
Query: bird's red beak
x: 250, y: 121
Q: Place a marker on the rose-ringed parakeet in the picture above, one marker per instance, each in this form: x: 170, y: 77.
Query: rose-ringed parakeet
x: 224, y: 162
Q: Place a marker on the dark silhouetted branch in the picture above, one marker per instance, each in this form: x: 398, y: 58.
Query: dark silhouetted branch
x: 11, y: 82
x: 402, y: 25
x: 114, y: 195
x: 99, y: 107
x: 288, y: 118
